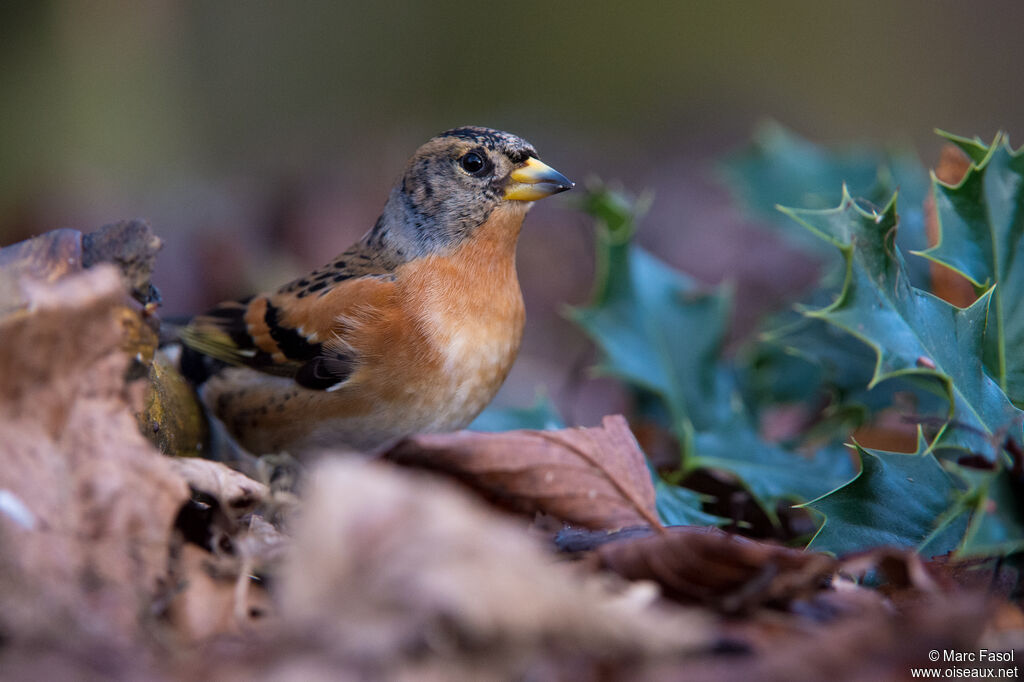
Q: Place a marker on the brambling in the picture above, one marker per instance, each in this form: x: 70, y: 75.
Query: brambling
x: 411, y: 329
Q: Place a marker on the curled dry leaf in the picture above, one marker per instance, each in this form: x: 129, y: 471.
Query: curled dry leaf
x: 712, y: 567
x: 215, y: 585
x: 130, y: 245
x: 237, y: 493
x: 171, y: 417
x: 594, y: 477
x: 95, y: 502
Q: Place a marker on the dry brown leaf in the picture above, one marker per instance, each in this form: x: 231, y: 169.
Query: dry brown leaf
x: 712, y: 567
x: 594, y: 477
x: 388, y: 564
x: 861, y: 640
x: 214, y: 599
x: 171, y: 417
x: 88, y: 543
x: 215, y: 585
x: 237, y: 493
x: 130, y: 245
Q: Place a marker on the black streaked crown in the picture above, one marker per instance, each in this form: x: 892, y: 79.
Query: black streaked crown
x: 513, y: 146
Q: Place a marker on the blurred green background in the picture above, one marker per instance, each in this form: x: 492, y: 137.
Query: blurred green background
x: 260, y: 138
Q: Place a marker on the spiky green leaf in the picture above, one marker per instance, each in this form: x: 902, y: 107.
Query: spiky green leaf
x: 896, y: 499
x: 997, y: 523
x: 781, y: 168
x: 981, y: 222
x: 657, y: 329
x: 911, y: 332
x: 771, y: 472
x: 681, y: 506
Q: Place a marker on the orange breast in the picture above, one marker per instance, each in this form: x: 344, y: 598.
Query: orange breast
x: 469, y: 308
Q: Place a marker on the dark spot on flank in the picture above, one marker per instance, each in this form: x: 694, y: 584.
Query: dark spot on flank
x: 303, y: 282
x: 341, y: 276
x: 322, y: 275
x: 317, y: 286
x: 339, y: 263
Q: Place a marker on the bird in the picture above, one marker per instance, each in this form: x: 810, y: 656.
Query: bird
x: 412, y: 329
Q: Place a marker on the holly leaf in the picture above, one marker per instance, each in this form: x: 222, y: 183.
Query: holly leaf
x: 896, y: 499
x: 997, y: 523
x: 657, y: 329
x: 780, y: 167
x: 981, y: 224
x: 770, y: 471
x: 662, y: 334
x: 911, y: 332
x: 678, y: 506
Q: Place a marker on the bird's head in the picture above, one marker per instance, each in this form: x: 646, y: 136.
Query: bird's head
x: 458, y: 179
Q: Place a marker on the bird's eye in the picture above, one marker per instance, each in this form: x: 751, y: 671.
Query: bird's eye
x: 473, y: 163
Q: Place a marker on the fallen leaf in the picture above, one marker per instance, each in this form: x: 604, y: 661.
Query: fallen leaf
x: 396, y: 574
x: 226, y: 547
x: 214, y: 599
x: 171, y: 417
x: 130, y: 245
x: 237, y: 493
x: 594, y: 477
x: 709, y: 566
x: 864, y: 639
x: 88, y: 545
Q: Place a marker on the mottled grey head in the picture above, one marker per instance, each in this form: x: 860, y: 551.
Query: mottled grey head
x: 455, y: 181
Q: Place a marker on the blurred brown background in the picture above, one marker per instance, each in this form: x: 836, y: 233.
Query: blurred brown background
x: 260, y: 138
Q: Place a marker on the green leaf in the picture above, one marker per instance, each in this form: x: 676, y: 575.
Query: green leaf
x: 896, y: 499
x: 997, y: 526
x: 780, y: 167
x: 911, y: 332
x: 662, y: 334
x: 679, y: 506
x: 771, y: 472
x: 541, y: 416
x: 981, y: 222
x: 657, y: 329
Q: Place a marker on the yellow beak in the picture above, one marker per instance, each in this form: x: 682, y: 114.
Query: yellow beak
x: 535, y: 180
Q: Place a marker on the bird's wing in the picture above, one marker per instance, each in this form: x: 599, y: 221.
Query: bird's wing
x: 301, y: 331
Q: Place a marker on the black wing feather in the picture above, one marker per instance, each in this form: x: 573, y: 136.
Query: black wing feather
x: 310, y: 364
